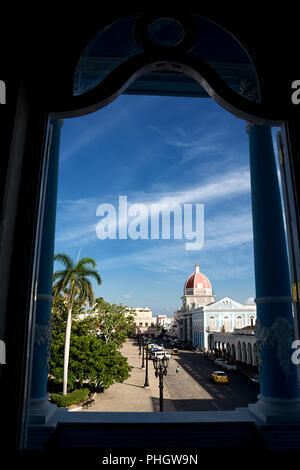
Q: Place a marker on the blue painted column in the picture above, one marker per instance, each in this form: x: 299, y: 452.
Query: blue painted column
x: 40, y: 409
x: 279, y: 389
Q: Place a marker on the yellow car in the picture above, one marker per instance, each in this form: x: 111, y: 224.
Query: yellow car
x: 218, y: 376
x: 174, y: 351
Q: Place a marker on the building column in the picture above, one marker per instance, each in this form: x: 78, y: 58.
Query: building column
x: 184, y: 329
x: 190, y: 329
x: 40, y: 409
x: 279, y: 400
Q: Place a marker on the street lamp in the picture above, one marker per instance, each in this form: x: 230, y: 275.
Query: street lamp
x: 143, y: 348
x: 146, y: 385
x: 140, y: 343
x: 161, y: 366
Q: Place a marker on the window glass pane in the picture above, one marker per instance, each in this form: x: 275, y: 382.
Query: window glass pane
x: 214, y: 45
x: 226, y: 56
x: 105, y: 52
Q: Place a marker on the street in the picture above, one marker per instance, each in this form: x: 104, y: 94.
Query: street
x: 193, y: 389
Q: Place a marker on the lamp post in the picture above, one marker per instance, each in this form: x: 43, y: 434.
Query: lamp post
x: 161, y: 366
x: 140, y: 343
x: 143, y: 349
x: 146, y: 385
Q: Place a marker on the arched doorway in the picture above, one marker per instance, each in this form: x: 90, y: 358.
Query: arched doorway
x: 239, y: 352
x: 233, y: 352
x: 226, y: 323
x: 244, y: 353
x: 249, y: 354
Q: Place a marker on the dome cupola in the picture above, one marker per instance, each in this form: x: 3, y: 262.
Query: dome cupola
x: 197, y: 280
x: 197, y: 290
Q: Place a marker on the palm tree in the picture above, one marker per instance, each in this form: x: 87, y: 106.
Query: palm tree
x: 74, y: 283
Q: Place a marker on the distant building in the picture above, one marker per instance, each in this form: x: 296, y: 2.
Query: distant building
x: 164, y: 321
x: 173, y: 328
x: 200, y: 315
x: 239, y: 345
x: 197, y: 290
x: 144, y: 322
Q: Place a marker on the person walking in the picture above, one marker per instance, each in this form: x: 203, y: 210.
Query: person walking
x: 177, y: 370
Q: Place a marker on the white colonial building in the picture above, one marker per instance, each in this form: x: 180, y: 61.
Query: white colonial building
x: 144, y: 322
x: 200, y: 315
x: 238, y: 346
x: 164, y: 321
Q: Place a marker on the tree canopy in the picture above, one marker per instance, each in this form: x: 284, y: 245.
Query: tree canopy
x: 91, y: 359
x: 113, y: 322
x: 74, y: 283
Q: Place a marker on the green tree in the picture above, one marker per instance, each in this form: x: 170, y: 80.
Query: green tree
x: 91, y: 359
x: 59, y: 311
x: 113, y: 322
x: 73, y: 282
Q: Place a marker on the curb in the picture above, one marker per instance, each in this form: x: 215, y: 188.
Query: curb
x: 80, y: 407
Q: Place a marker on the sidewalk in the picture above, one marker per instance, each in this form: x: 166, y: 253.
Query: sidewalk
x: 131, y: 395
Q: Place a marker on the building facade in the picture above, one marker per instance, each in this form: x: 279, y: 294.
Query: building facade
x: 240, y: 345
x: 164, y: 322
x: 200, y: 315
x: 144, y: 322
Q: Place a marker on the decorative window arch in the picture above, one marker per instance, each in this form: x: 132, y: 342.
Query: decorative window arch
x: 212, y: 323
x: 114, y: 63
x: 226, y: 323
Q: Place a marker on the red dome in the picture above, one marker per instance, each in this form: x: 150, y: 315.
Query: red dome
x: 197, y: 280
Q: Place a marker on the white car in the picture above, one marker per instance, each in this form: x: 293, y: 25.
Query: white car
x: 220, y: 362
x: 160, y: 354
x: 155, y: 347
x: 229, y: 365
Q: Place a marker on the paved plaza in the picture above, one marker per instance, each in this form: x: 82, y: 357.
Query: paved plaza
x: 131, y: 394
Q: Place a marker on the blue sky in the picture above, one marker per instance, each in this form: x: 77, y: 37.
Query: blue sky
x: 153, y: 149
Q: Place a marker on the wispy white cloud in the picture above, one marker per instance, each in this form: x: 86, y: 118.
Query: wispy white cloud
x: 77, y: 218
x: 89, y: 129
x: 170, y: 257
x: 192, y: 146
x: 228, y: 230
x: 77, y: 235
x: 226, y: 185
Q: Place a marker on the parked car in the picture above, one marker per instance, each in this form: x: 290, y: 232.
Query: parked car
x: 154, y: 350
x: 220, y: 361
x: 160, y: 354
x: 156, y: 346
x: 218, y: 376
x: 255, y: 379
x: 174, y: 351
x: 229, y: 365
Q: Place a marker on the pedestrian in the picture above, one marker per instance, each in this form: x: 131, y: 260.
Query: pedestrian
x: 177, y: 370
